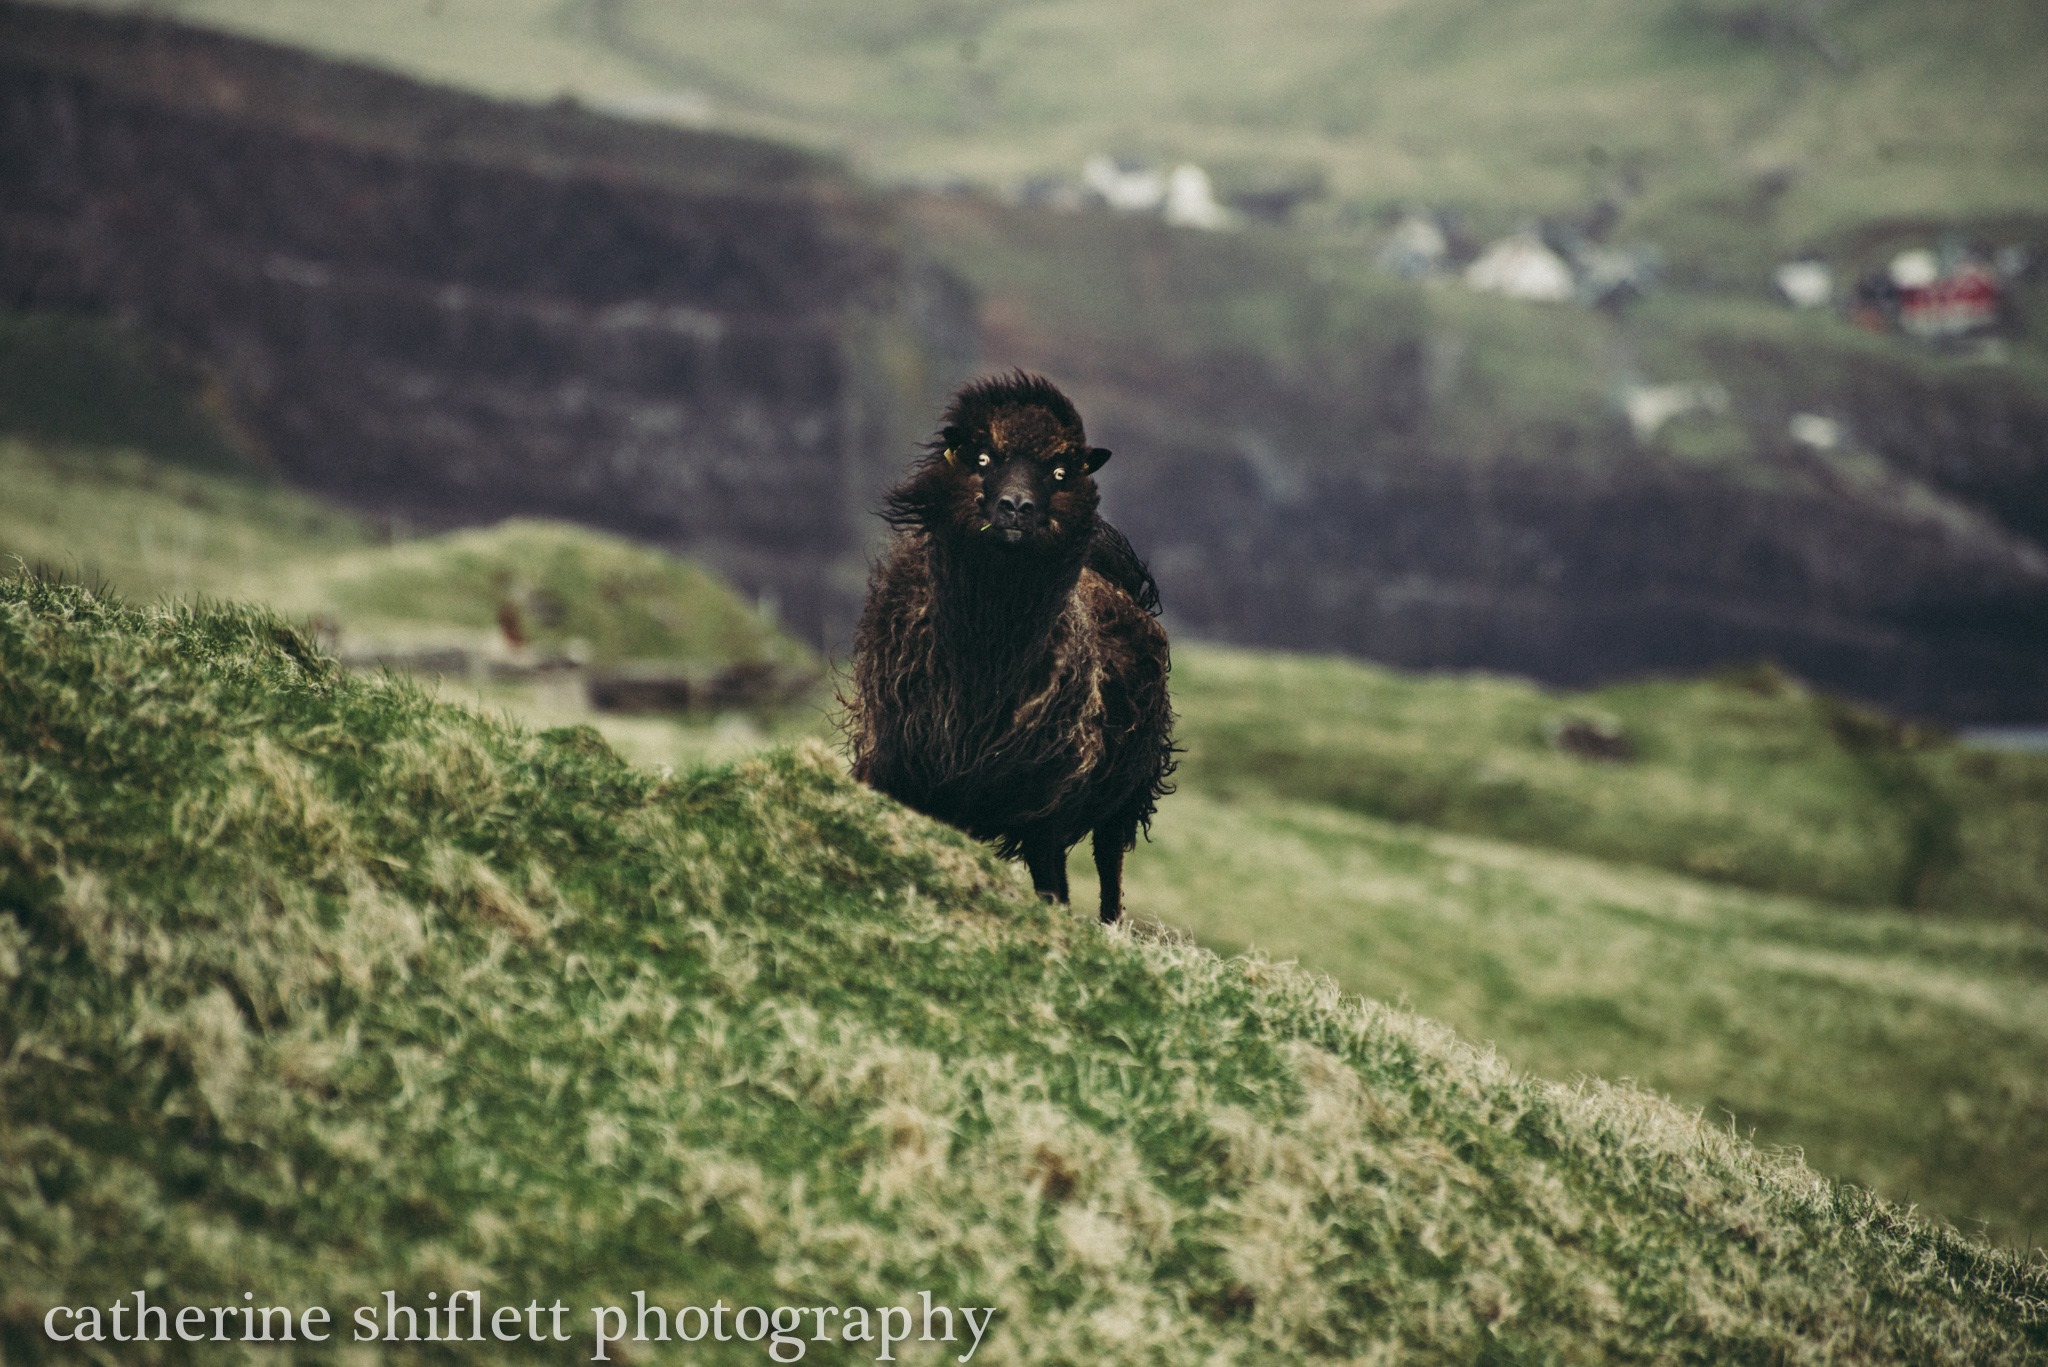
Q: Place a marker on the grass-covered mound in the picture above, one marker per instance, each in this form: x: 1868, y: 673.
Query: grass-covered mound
x: 563, y: 585
x: 1748, y: 778
x: 150, y: 527
x: 314, y: 988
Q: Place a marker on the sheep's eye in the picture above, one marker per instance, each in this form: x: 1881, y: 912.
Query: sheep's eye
x: 982, y: 460
x: 1060, y: 473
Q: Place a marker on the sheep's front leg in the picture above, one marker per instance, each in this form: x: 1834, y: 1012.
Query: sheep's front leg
x: 1048, y: 865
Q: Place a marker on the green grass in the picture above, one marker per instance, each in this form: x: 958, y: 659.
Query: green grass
x: 1899, y: 1052
x: 565, y: 585
x: 315, y: 987
x: 152, y: 529
x: 1749, y: 778
x: 1508, y: 109
x: 1910, y: 1064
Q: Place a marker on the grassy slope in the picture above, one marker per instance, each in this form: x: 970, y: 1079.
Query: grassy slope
x: 1495, y: 107
x: 316, y: 986
x: 1897, y: 1052
x: 1749, y: 778
x: 149, y: 528
x: 621, y: 601
x: 1610, y: 972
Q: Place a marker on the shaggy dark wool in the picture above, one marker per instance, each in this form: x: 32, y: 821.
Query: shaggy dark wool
x: 1009, y: 672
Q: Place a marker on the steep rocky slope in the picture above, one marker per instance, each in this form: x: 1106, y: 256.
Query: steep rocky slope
x: 428, y: 302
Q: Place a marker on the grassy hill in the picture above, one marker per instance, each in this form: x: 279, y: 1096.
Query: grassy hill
x: 1748, y: 778
x: 155, y: 528
x: 1724, y: 135
x: 317, y: 988
x: 120, y: 465
x: 1898, y: 1051
x: 1422, y: 839
x: 1719, y: 116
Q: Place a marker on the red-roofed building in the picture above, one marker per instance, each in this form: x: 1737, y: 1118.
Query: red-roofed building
x: 1963, y: 301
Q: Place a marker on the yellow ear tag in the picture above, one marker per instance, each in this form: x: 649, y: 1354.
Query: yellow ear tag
x: 950, y: 458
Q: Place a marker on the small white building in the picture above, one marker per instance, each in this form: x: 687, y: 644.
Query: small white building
x: 1805, y: 284
x: 1417, y: 248
x: 1651, y: 406
x: 1915, y: 269
x: 1126, y: 186
x: 1191, y: 200
x: 1522, y: 267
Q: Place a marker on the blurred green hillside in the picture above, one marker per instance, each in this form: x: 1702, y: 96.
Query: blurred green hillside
x: 1902, y: 558
x: 1733, y: 127
x: 155, y: 529
x: 121, y: 468
x: 1748, y: 778
x: 1902, y: 1050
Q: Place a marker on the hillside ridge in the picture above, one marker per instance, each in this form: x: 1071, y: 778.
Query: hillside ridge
x: 315, y: 985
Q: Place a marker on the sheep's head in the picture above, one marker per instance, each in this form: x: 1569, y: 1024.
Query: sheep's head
x: 1011, y: 468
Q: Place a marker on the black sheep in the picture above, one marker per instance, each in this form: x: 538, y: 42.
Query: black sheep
x: 1009, y: 675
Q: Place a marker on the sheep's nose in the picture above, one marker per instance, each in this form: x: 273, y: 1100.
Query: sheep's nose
x: 1015, y: 506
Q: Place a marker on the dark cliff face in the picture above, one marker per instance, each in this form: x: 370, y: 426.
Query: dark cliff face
x: 454, y: 309
x: 1324, y: 518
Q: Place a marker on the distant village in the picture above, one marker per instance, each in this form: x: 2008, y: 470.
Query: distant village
x: 1948, y: 294
x: 1945, y: 292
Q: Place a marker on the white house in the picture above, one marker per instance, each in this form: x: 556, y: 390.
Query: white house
x: 1191, y: 200
x: 1522, y: 267
x: 1125, y: 186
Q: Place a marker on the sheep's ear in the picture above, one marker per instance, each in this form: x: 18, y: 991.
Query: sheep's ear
x: 1097, y: 458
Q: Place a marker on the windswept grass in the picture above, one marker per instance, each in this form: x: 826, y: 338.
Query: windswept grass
x: 1747, y: 778
x: 1906, y: 1054
x: 314, y: 985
